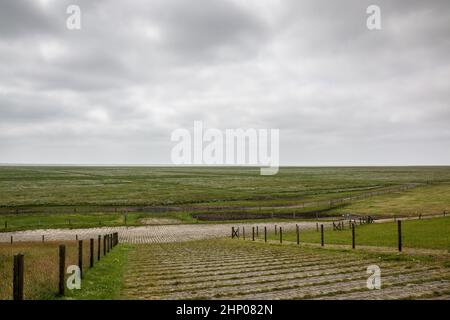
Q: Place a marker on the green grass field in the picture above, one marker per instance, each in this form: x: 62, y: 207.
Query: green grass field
x: 104, y: 281
x: 425, y: 200
x: 77, y: 197
x: 81, y: 197
x: 431, y: 233
x: 140, y: 186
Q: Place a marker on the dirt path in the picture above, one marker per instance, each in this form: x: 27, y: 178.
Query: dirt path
x: 149, y: 234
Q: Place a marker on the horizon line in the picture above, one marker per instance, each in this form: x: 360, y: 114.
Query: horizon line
x: 213, y: 166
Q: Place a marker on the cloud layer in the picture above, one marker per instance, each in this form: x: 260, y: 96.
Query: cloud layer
x: 114, y: 91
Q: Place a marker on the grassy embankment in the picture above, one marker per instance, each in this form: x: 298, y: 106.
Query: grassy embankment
x: 433, y: 233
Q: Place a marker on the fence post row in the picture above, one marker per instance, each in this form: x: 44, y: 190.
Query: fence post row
x: 18, y: 277
x: 18, y: 266
x: 62, y: 267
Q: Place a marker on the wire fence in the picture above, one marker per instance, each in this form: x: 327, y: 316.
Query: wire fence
x: 38, y: 270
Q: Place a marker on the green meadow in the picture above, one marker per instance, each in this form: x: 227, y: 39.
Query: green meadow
x: 78, y: 196
x: 430, y: 233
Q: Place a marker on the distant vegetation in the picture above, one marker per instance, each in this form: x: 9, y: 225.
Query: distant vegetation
x: 36, y: 197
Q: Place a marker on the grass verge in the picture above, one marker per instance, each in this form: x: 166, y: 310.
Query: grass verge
x: 427, y: 234
x: 104, y: 281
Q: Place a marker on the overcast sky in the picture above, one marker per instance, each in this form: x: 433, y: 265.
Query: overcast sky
x: 114, y: 91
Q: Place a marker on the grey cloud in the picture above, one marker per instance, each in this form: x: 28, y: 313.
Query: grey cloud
x: 18, y: 18
x: 114, y: 90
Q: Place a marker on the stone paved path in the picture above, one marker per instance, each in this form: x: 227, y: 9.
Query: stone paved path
x: 231, y: 269
x: 148, y: 234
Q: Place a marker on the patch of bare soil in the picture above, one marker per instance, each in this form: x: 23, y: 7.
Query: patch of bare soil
x: 159, y: 221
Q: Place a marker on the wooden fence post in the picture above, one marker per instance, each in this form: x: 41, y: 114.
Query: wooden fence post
x: 317, y: 226
x: 281, y: 235
x: 98, y: 247
x: 104, y: 244
x: 18, y: 277
x: 62, y: 267
x: 80, y: 257
x: 43, y: 238
x: 321, y: 235
x: 298, y: 234
x: 257, y: 231
x: 232, y: 232
x: 12, y: 239
x: 91, y: 251
x: 243, y: 233
x: 275, y: 229
x: 353, y: 236
x: 265, y: 234
x: 399, y: 234
x: 253, y: 233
